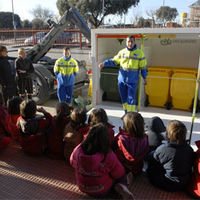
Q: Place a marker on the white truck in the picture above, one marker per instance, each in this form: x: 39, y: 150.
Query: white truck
x: 163, y: 47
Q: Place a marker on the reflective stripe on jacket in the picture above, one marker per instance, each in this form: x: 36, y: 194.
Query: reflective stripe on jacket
x: 130, y: 62
x: 66, y: 70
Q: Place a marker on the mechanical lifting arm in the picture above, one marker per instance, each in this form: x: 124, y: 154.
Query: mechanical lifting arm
x: 40, y: 49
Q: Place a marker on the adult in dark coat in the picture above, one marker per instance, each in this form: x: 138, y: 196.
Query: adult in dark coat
x: 7, y: 80
x: 24, y: 70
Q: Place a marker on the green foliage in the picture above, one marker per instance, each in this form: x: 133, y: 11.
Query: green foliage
x: 26, y: 24
x: 6, y: 19
x: 92, y: 10
x: 38, y: 24
x: 144, y: 22
x: 62, y: 6
x: 166, y: 14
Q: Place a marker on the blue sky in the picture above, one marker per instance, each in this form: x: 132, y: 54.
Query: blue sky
x: 23, y: 8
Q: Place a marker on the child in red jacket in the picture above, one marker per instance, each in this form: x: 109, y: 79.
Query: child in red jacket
x: 194, y: 186
x: 4, y: 141
x: 55, y: 148
x: 33, y: 129
x: 75, y: 131
x: 97, y: 168
x: 99, y: 116
x: 13, y: 115
x: 131, y: 144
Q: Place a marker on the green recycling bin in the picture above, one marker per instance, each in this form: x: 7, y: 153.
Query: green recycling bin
x: 109, y: 84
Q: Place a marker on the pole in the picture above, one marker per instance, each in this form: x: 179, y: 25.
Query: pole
x: 13, y: 19
x: 140, y: 80
x: 195, y: 101
x: 103, y: 11
x: 163, y: 12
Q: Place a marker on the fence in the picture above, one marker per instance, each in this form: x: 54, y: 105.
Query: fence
x: 69, y: 37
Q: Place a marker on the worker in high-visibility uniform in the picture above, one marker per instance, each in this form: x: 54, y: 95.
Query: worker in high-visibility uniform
x: 131, y: 60
x: 65, y: 70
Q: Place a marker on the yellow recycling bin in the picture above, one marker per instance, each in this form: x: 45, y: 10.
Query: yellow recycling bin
x: 158, y: 85
x: 90, y: 88
x: 182, y: 88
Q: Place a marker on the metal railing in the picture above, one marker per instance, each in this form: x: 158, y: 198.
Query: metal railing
x: 30, y: 37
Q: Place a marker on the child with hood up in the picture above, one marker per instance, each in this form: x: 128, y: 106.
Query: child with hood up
x: 154, y: 132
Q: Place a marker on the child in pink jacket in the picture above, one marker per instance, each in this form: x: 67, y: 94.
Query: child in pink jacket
x: 97, y: 167
x: 131, y: 144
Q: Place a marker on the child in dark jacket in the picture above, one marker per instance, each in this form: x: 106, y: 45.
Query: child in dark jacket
x: 131, y: 144
x: 97, y: 167
x: 99, y: 116
x: 13, y: 115
x: 74, y: 131
x: 33, y: 128
x: 55, y: 147
x: 4, y: 141
x: 170, y: 166
x: 154, y: 132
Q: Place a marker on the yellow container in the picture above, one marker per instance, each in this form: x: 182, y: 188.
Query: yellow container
x: 158, y: 85
x: 90, y: 88
x: 182, y: 89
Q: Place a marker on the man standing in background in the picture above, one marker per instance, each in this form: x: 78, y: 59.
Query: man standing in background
x: 7, y: 80
x: 131, y: 61
x: 65, y: 70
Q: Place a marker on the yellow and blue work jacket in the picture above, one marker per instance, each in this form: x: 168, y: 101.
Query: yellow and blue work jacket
x: 130, y: 61
x: 65, y: 69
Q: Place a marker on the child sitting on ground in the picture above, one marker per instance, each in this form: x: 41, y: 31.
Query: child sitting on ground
x: 97, y: 167
x: 99, y: 116
x: 194, y: 186
x: 33, y: 128
x: 55, y: 146
x: 131, y: 144
x: 154, y: 132
x: 4, y: 141
x: 13, y: 115
x: 74, y: 131
x: 170, y: 166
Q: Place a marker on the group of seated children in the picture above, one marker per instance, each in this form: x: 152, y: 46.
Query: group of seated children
x: 102, y: 160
